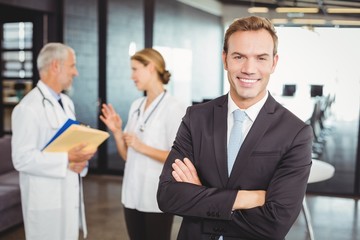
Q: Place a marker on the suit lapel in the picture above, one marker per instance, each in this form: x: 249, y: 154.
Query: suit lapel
x: 256, y: 133
x: 220, y: 138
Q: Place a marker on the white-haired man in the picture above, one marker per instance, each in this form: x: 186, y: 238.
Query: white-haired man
x: 50, y: 183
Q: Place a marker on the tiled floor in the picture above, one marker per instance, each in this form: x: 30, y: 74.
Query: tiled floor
x: 333, y: 218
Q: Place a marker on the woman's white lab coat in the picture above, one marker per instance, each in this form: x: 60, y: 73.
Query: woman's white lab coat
x: 51, y: 194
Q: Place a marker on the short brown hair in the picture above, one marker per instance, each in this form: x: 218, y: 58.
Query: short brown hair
x: 252, y: 23
x: 148, y: 55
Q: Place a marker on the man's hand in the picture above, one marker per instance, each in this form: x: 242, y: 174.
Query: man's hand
x: 77, y: 167
x: 77, y: 154
x: 249, y: 199
x: 185, y: 172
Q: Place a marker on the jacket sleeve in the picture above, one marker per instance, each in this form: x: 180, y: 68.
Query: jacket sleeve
x: 284, y: 197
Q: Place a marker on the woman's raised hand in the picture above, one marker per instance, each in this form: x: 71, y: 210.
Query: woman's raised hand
x: 111, y: 119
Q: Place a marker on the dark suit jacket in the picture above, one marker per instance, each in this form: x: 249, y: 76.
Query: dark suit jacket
x: 275, y: 156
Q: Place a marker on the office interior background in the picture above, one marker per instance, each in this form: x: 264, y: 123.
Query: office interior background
x: 318, y: 60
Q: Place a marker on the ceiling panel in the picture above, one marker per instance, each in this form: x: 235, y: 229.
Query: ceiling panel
x: 322, y: 5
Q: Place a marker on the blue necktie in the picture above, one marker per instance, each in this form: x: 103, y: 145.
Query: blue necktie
x: 236, y: 138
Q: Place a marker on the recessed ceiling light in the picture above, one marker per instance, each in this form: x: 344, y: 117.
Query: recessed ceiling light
x: 296, y: 10
x: 343, y: 10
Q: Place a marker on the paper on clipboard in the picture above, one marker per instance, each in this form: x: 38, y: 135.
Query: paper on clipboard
x: 72, y: 134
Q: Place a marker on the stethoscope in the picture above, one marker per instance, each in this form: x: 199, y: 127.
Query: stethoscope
x: 46, y: 100
x: 138, y: 110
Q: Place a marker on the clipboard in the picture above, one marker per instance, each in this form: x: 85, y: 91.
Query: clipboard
x: 72, y: 134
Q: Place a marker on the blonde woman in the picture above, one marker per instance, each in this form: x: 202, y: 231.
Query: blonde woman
x: 144, y: 144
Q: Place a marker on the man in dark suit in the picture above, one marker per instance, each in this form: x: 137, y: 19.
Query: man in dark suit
x: 261, y: 196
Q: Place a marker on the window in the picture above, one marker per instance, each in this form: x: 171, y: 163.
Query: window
x: 16, y: 67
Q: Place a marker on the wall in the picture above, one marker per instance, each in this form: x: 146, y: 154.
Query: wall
x: 198, y: 76
x: 125, y: 25
x: 81, y: 33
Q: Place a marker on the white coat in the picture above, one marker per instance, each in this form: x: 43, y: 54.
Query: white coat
x: 141, y: 175
x: 51, y: 194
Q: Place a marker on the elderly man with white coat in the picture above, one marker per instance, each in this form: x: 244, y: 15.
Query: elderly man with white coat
x: 50, y: 183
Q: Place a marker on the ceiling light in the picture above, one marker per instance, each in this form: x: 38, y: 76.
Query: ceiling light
x: 343, y: 10
x: 279, y: 21
x: 346, y: 22
x: 296, y: 10
x: 258, y: 10
x: 309, y: 21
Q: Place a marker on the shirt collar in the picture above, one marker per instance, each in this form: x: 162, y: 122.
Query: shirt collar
x: 53, y: 93
x: 252, y: 111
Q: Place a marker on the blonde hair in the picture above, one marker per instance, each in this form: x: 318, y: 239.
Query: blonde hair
x: 147, y: 55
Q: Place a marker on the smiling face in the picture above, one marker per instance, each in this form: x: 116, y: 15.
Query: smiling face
x: 249, y: 62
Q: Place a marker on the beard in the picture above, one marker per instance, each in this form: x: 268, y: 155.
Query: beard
x: 69, y: 91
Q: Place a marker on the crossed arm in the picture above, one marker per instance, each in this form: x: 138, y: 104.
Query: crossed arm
x: 193, y: 187
x: 184, y: 171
